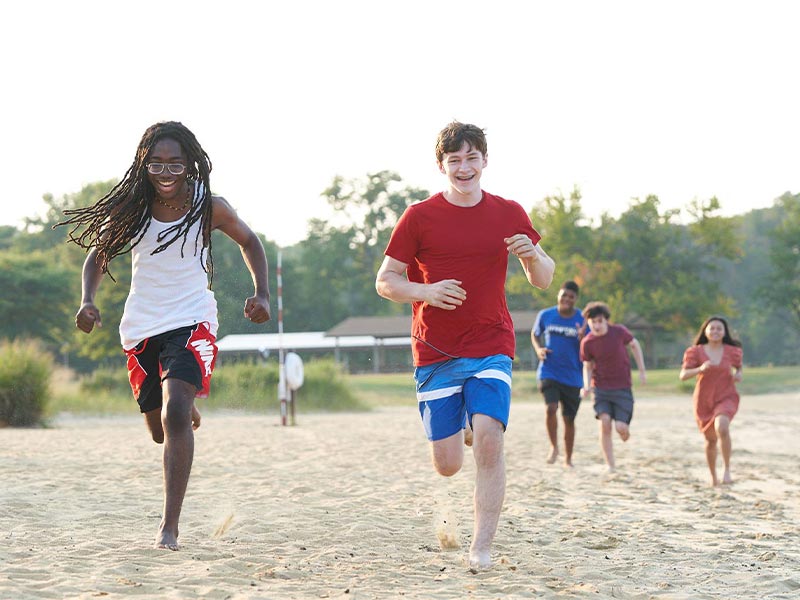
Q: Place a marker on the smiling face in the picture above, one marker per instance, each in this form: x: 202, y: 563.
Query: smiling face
x: 566, y: 302
x: 715, y: 331
x: 463, y: 170
x: 170, y: 188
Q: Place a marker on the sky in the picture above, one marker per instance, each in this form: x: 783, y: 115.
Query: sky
x: 684, y: 100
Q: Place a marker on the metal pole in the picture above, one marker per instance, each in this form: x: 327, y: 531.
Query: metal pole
x: 281, y: 355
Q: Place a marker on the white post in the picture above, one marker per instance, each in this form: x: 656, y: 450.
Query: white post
x: 281, y: 355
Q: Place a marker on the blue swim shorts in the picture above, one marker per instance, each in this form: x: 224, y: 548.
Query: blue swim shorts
x: 450, y: 392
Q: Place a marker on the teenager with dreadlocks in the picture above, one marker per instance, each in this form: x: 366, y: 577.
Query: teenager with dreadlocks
x: 163, y: 213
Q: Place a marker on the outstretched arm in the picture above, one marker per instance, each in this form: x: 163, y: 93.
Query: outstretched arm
x: 541, y: 351
x: 588, y: 370
x: 538, y: 266
x: 636, y: 349
x: 91, y: 276
x: 256, y: 307
x: 392, y: 284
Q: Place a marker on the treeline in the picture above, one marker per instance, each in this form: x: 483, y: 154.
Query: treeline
x: 662, y: 271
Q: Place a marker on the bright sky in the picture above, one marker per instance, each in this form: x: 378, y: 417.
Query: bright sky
x: 623, y: 99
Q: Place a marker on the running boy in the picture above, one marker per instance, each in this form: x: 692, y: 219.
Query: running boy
x: 448, y: 257
x: 607, y: 374
x: 556, y: 338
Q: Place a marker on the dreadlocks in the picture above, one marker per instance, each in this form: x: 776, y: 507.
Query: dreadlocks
x: 119, y: 220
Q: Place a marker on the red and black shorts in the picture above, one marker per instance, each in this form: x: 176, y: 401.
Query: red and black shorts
x: 187, y: 353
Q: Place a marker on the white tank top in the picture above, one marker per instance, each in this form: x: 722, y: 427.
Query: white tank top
x: 167, y: 291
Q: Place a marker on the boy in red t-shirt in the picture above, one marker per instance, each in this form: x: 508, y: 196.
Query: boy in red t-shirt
x: 607, y: 374
x: 448, y: 257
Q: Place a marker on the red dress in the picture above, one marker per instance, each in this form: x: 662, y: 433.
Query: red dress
x: 715, y: 392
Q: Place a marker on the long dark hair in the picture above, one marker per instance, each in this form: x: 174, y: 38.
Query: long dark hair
x: 726, y: 339
x: 119, y: 220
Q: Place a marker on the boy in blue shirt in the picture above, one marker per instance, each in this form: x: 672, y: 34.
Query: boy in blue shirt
x: 556, y: 337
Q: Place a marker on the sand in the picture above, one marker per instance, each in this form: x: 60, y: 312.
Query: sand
x: 348, y: 506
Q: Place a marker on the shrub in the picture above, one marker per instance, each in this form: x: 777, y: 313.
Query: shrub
x: 106, y: 380
x: 254, y: 386
x: 25, y: 371
x: 235, y: 385
x: 251, y: 386
x: 325, y: 388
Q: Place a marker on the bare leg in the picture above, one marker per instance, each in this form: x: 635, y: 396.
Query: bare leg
x: 152, y: 419
x: 606, y: 442
x: 196, y: 417
x: 176, y: 418
x: 490, y: 487
x: 722, y: 426
x: 711, y: 454
x: 623, y: 430
x: 468, y: 435
x: 551, y: 422
x: 569, y: 439
x: 447, y: 455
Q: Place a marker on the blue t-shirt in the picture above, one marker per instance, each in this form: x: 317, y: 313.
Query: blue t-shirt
x: 560, y: 334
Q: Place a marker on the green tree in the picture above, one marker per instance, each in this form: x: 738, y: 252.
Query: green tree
x: 568, y: 238
x: 41, y: 234
x: 32, y: 289
x: 666, y: 274
x: 333, y: 270
x: 233, y: 284
x: 783, y: 284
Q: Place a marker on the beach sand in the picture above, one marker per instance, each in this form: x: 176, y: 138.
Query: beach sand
x: 348, y: 506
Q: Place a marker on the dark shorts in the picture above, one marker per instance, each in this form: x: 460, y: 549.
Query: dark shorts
x: 188, y: 354
x: 618, y: 404
x: 555, y: 392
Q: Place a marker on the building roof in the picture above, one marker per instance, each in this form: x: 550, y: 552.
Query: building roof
x: 309, y: 340
x: 396, y: 326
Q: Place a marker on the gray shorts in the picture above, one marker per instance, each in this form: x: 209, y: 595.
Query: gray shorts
x: 618, y: 404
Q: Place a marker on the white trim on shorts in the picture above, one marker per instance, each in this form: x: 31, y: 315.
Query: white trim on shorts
x: 438, y: 394
x: 449, y: 391
x: 494, y: 374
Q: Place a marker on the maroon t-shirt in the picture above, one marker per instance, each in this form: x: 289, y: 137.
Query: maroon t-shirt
x: 439, y: 240
x: 612, y: 365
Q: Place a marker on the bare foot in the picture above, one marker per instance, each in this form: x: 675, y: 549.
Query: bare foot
x: 611, y: 469
x: 479, y: 559
x: 196, y: 418
x: 726, y: 478
x: 468, y: 435
x: 166, y: 540
x: 568, y: 463
x: 551, y: 458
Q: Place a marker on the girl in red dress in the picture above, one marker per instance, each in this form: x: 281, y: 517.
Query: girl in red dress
x: 716, y: 360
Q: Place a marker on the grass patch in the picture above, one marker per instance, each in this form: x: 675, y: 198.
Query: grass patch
x: 253, y: 387
x: 397, y: 389
x: 239, y: 386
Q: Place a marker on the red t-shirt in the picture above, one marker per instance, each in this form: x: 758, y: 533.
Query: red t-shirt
x: 439, y: 240
x: 612, y: 365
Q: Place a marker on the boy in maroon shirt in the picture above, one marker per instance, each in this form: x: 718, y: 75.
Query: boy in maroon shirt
x: 607, y: 374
